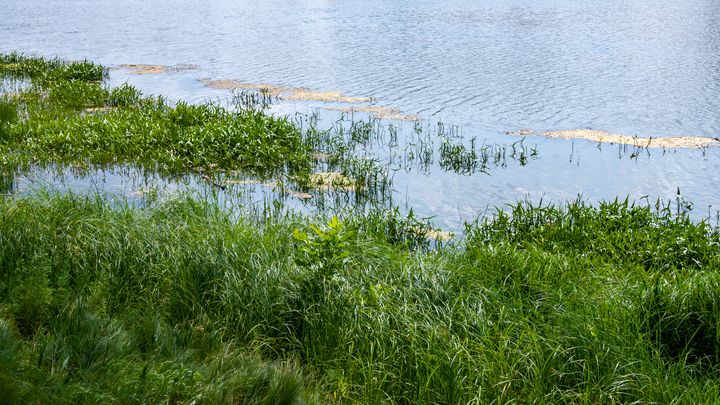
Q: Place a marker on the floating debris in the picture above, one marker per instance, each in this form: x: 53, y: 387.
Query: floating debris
x: 156, y: 69
x: 320, y: 156
x: 692, y: 142
x: 383, y: 113
x: 140, y: 192
x: 523, y: 132
x: 292, y: 193
x: 285, y: 92
x: 440, y: 236
x: 307, y: 95
x: 338, y: 181
x: 298, y: 194
x: 98, y: 110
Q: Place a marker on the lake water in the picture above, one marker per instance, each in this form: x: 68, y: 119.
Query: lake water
x: 632, y: 67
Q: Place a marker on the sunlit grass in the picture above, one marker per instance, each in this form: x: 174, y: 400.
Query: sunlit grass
x: 546, y: 304
x: 176, y: 299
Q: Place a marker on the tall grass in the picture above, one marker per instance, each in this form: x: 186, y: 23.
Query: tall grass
x: 175, y: 302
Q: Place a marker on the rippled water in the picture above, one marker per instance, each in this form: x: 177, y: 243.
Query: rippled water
x: 637, y: 67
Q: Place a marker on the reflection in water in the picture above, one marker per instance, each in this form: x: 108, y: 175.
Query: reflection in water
x: 369, y: 151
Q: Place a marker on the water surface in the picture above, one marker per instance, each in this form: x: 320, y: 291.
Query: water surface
x: 637, y: 67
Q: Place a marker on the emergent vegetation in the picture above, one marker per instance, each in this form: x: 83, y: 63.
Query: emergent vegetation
x: 179, y: 301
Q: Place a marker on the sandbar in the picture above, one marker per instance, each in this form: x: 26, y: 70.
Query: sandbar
x: 141, y: 69
x: 691, y: 142
x: 380, y: 113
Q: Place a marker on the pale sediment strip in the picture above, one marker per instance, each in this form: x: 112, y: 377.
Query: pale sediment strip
x: 691, y: 142
x: 274, y: 185
x: 292, y: 193
x: 229, y: 84
x: 304, y: 94
x: 307, y: 95
x: 284, y: 92
x: 93, y: 110
x: 242, y: 181
x: 141, y: 69
x: 435, y: 234
x: 383, y: 113
x: 298, y: 194
x: 140, y: 192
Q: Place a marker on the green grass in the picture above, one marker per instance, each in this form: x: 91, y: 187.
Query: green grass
x: 60, y: 126
x: 58, y: 112
x: 174, y: 302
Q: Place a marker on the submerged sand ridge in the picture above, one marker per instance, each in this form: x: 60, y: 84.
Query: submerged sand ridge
x: 383, y: 113
x: 284, y: 92
x: 691, y: 142
x: 156, y: 69
x: 229, y: 84
x: 307, y: 95
x: 304, y: 94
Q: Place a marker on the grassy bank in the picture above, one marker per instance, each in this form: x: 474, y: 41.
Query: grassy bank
x: 175, y: 303
x: 178, y: 301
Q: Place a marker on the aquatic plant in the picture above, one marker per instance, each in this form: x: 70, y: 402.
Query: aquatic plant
x: 72, y: 117
x: 39, y: 69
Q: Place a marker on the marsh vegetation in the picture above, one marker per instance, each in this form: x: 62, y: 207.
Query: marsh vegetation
x: 178, y: 299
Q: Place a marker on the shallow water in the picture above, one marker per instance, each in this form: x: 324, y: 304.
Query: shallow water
x: 645, y: 68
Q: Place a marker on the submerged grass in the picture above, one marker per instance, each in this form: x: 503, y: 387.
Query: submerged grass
x: 175, y: 302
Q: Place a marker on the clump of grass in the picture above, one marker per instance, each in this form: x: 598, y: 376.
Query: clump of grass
x: 619, y: 231
x: 38, y: 69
